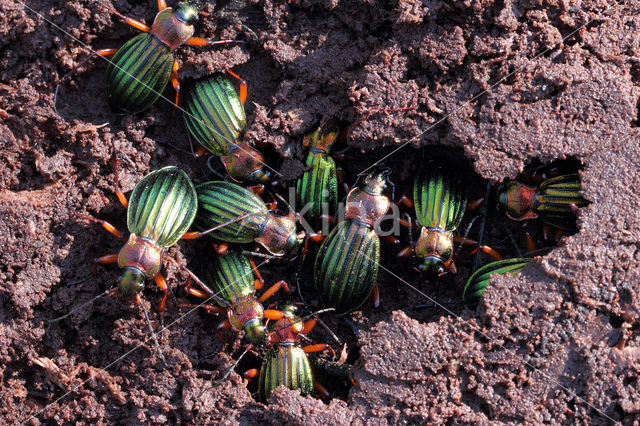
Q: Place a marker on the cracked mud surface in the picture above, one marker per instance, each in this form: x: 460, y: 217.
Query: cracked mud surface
x: 559, y: 342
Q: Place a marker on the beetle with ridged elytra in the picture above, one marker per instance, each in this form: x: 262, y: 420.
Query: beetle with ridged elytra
x: 240, y: 216
x: 440, y: 195
x: 555, y: 200
x: 160, y: 210
x: 140, y: 70
x: 479, y: 280
x: 285, y: 362
x: 214, y: 114
x: 317, y: 188
x: 230, y: 281
x: 346, y: 265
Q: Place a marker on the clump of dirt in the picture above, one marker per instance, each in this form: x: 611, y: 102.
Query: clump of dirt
x: 505, y: 82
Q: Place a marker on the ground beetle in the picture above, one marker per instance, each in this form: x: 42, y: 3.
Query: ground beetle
x: 229, y: 280
x: 555, y: 200
x: 318, y: 186
x: 286, y: 362
x: 161, y: 208
x: 240, y: 216
x: 440, y: 193
x: 140, y: 70
x: 214, y: 115
x: 479, y: 280
x: 346, y: 266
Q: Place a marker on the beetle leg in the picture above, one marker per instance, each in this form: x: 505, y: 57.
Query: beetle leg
x: 174, y: 80
x: 531, y: 245
x: 190, y: 235
x: 221, y: 248
x: 258, y: 189
x: 321, y: 389
x: 272, y: 314
x: 376, y: 296
x: 215, y: 308
x: 473, y: 204
x: 308, y: 325
x: 408, y: 223
x: 118, y: 191
x: 195, y: 292
x: 259, y: 282
x: 200, y: 152
x: 250, y: 374
x: 274, y: 288
x: 198, y: 41
x: 106, y: 52
x: 209, y: 308
x: 106, y: 225
x: 391, y: 239
x: 104, y: 260
x: 134, y: 23
x: 243, y: 86
x: 405, y: 201
x: 161, y: 5
x: 486, y: 249
x: 405, y: 252
x: 451, y: 267
x: 319, y: 347
x: 162, y: 283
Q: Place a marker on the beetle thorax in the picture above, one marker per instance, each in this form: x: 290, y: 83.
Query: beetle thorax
x: 277, y: 234
x: 170, y: 30
x: 243, y: 161
x: 244, y: 310
x: 517, y: 200
x: 286, y: 330
x: 435, y: 242
x: 365, y: 207
x: 141, y: 254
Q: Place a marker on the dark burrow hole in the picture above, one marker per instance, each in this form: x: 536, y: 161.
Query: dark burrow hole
x: 616, y: 321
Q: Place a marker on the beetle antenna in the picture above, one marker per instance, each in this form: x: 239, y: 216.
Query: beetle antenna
x: 79, y: 307
x: 153, y: 333
x: 235, y: 364
x: 222, y: 225
x: 483, y: 222
x: 257, y: 254
x: 286, y: 203
x: 465, y: 235
x: 328, y: 329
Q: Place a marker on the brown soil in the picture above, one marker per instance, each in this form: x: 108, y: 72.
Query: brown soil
x: 558, y: 343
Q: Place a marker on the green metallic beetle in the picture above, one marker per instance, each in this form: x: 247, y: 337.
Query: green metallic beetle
x: 555, y: 200
x: 215, y: 117
x: 479, y: 280
x: 318, y: 186
x: 240, y: 216
x: 346, y: 266
x: 440, y: 193
x: 140, y: 70
x: 286, y: 362
x: 161, y: 208
x: 231, y: 283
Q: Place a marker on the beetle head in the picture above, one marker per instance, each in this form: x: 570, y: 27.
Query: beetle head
x: 187, y: 11
x: 131, y: 282
x: 433, y: 265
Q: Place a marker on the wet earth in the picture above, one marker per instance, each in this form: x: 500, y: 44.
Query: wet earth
x: 507, y: 84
